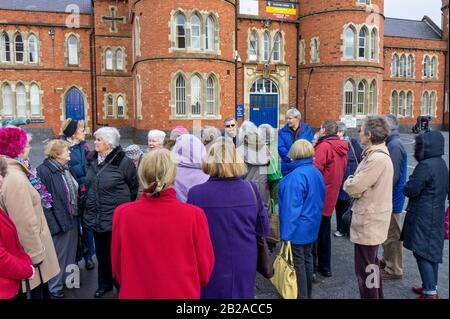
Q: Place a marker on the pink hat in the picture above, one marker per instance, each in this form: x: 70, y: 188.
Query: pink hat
x: 178, y: 131
x: 12, y: 141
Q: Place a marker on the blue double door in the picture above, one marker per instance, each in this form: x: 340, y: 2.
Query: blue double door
x: 74, y: 104
x: 264, y: 109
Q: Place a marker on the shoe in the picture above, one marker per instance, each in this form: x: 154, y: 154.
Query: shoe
x: 326, y: 274
x: 314, y: 279
x: 89, y: 264
x: 338, y: 234
x: 417, y: 290
x: 57, y: 294
x: 435, y: 296
x: 100, y: 292
x: 382, y: 264
x: 387, y: 276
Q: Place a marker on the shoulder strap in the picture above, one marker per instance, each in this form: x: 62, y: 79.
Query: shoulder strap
x: 257, y: 208
x: 353, y: 151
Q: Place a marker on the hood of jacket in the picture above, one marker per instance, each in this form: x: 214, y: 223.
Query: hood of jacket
x: 338, y: 145
x: 254, y: 151
x: 429, y: 144
x: 292, y: 166
x: 116, y: 155
x: 189, y: 151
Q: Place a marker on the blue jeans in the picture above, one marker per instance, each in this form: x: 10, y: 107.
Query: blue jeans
x: 429, y: 274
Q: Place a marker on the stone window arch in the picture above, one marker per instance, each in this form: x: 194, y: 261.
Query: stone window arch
x: 350, y: 42
x: 19, y: 48
x: 402, y: 67
x: 394, y: 103
x: 33, y: 49
x: 196, y: 31
x: 196, y: 94
x: 410, y: 66
x: 266, y: 47
x: 180, y: 95
x: 210, y: 33
x: 362, y: 43
x: 362, y: 98
x: 426, y: 66
x: 119, y: 60
x: 374, y: 44
x: 5, y: 48
x: 73, y: 49
x: 394, y: 65
x: 349, y: 97
x: 433, y: 67
x: 253, y: 46
x: 109, y: 60
x: 277, y: 45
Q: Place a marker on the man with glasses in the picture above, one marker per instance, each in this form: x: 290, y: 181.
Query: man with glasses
x: 231, y: 129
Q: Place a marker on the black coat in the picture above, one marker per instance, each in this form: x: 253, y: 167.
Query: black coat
x: 115, y: 185
x: 58, y: 217
x: 427, y: 188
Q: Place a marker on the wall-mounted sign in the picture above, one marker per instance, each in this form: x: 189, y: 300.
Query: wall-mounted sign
x: 239, y: 111
x: 350, y: 122
x: 249, y: 7
x: 281, y: 10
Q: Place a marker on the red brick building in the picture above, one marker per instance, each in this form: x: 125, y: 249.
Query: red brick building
x: 145, y: 64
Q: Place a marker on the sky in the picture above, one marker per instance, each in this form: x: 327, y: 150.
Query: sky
x: 413, y: 9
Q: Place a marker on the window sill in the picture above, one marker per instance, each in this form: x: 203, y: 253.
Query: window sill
x: 194, y: 117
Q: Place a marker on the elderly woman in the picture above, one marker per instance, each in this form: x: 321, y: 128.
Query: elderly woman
x: 301, y: 200
x: 189, y: 152
x: 155, y: 139
x: 73, y: 133
x: 61, y: 218
x: 170, y: 140
x: 294, y: 130
x: 171, y: 258
x: 111, y: 180
x: 235, y: 212
x: 209, y: 136
x: 371, y: 188
x: 22, y: 198
x: 15, y: 264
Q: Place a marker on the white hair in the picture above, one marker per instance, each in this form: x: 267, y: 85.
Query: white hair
x: 109, y: 135
x: 160, y: 135
x: 267, y: 132
x: 210, y: 134
x: 247, y: 128
x: 294, y: 113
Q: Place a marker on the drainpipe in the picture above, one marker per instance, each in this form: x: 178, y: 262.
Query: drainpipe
x: 448, y: 97
x: 297, y: 77
x: 306, y: 94
x: 93, y: 70
x: 235, y: 60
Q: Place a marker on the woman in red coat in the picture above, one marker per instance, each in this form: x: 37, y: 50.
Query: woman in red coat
x: 161, y: 248
x: 15, y: 264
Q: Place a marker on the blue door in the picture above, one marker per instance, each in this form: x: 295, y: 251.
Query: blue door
x: 264, y: 103
x: 74, y: 104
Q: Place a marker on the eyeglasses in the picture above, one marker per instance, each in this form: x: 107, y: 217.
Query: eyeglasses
x: 230, y: 125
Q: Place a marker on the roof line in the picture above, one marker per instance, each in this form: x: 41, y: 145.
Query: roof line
x: 432, y: 25
x: 404, y: 19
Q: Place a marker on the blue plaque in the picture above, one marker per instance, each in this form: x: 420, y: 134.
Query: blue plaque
x: 240, y: 111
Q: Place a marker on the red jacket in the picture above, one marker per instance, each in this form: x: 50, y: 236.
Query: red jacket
x: 14, y: 262
x: 161, y: 248
x: 331, y: 159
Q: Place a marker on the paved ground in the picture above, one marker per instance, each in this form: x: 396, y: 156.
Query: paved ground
x: 343, y: 283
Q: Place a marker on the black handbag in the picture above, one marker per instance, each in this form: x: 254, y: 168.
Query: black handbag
x: 264, y: 263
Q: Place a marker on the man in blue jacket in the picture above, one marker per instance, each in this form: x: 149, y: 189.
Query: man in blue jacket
x: 392, y: 261
x: 295, y: 129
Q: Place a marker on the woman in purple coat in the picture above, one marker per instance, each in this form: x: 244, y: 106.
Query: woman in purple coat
x: 233, y: 208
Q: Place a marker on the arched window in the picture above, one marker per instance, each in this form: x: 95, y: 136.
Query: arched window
x: 35, y: 100
x: 195, y: 32
x: 433, y: 67
x: 109, y: 60
x: 394, y: 103
x: 349, y: 43
x: 266, y: 47
x: 426, y: 66
x: 401, y: 104
x: 119, y: 59
x: 315, y: 51
x: 209, y: 32
x: 394, y: 65
x: 277, y: 47
x: 253, y: 47
x: 21, y: 101
x: 361, y: 98
x: 32, y: 49
x: 373, y: 44
x: 181, y: 31
x: 109, y: 105
x: 196, y: 95
x: 362, y: 43
x: 73, y: 50
x: 425, y: 101
x: 120, y: 106
x: 408, y: 111
x: 349, y: 90
x: 432, y: 103
x: 402, y: 65
x: 410, y: 66
x: 19, y: 48
x: 210, y: 96
x: 7, y: 100
x: 372, y: 98
x: 180, y: 96
x: 5, y: 50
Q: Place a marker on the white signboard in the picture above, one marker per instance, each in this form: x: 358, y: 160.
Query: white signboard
x: 249, y: 7
x: 350, y: 122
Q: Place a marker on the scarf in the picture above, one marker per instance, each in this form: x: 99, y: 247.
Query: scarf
x: 101, y: 159
x: 46, y: 197
x: 70, y: 184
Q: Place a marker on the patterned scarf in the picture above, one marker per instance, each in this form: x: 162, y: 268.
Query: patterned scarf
x: 70, y: 184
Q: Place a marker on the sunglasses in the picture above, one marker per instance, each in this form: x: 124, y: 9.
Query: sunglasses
x: 230, y: 125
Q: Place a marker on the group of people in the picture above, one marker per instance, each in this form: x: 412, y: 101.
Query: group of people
x: 181, y: 220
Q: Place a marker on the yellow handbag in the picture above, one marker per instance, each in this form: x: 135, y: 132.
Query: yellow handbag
x: 285, y: 279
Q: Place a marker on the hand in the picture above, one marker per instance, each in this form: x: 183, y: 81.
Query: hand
x: 34, y: 271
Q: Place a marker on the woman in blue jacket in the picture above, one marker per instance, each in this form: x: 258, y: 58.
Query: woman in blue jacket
x: 301, y: 200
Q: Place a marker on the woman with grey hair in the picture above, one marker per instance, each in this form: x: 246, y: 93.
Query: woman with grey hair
x: 111, y: 180
x: 155, y: 139
x: 209, y: 136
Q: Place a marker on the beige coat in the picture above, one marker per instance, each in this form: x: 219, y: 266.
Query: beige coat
x: 371, y: 187
x: 22, y: 202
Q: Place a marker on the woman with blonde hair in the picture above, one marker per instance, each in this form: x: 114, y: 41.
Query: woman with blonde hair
x: 235, y: 213
x: 60, y: 181
x: 161, y: 247
x: 301, y: 199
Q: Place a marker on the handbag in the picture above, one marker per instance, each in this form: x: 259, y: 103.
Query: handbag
x: 274, y: 221
x: 264, y: 263
x: 274, y: 173
x: 285, y: 278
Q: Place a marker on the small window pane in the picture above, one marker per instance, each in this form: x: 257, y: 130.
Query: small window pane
x: 210, y: 30
x: 266, y: 47
x: 349, y: 43
x: 210, y: 96
x: 32, y: 49
x: 394, y: 65
x: 362, y: 43
x: 109, y: 106
x: 180, y: 96
x: 361, y: 98
x: 120, y: 106
x: 21, y: 101
x: 402, y: 66
x: 433, y: 67
x: 19, y: 48
x: 35, y: 101
x: 401, y: 104
x: 253, y: 45
x: 373, y: 44
x: 348, y: 98
x: 7, y: 101
x: 195, y: 32
x: 410, y: 68
x: 119, y: 60
x: 73, y: 50
x: 5, y: 50
x: 181, y: 32
x: 394, y: 103
x: 276, y: 47
x: 196, y: 96
x: 408, y: 111
x: 109, y: 59
x: 424, y: 109
x: 432, y: 105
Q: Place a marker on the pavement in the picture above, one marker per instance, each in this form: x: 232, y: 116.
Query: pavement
x: 342, y: 285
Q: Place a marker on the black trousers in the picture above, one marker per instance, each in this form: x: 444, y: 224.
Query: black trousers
x: 322, y: 247
x: 103, y: 252
x: 367, y: 269
x: 303, y: 262
x: 341, y: 205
